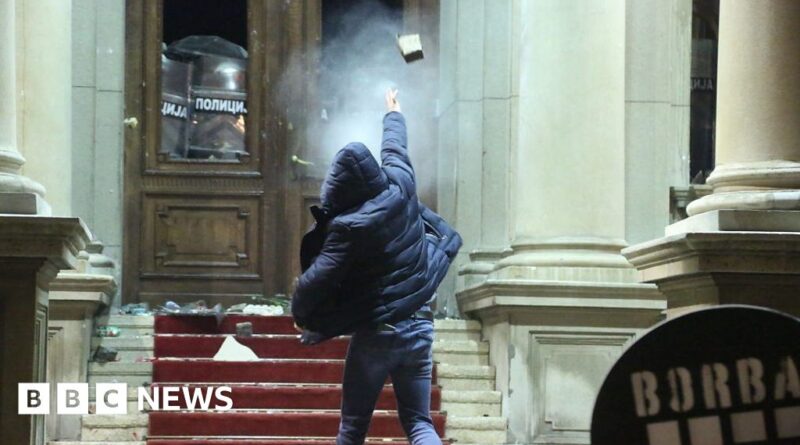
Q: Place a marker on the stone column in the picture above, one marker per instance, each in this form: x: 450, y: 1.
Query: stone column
x: 741, y: 243
x: 18, y: 194
x: 559, y: 303
x: 571, y: 143
x: 758, y: 119
x: 46, y: 102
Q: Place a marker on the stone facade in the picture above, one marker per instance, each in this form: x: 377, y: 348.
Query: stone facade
x: 53, y: 277
x: 98, y: 73
x: 565, y: 126
x: 740, y: 243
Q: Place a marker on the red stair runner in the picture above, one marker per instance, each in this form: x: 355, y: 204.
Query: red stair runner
x: 291, y: 396
x: 266, y: 346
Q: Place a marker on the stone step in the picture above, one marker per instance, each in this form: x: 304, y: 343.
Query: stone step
x: 461, y: 352
x: 458, y: 330
x: 134, y: 374
x: 457, y: 336
x: 472, y: 403
x: 469, y: 409
x: 129, y: 348
x: 453, y: 324
x: 461, y: 346
x: 129, y: 324
x: 466, y: 377
x: 483, y: 430
x: 472, y: 396
x: 59, y: 442
x: 139, y: 342
x: 109, y: 428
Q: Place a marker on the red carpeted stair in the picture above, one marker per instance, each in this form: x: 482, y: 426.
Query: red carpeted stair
x: 291, y: 396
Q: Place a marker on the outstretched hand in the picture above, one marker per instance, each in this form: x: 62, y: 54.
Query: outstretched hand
x: 391, y: 100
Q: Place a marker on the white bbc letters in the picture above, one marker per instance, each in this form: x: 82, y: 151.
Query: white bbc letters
x: 111, y: 398
x: 72, y: 398
x: 33, y: 398
x: 171, y: 399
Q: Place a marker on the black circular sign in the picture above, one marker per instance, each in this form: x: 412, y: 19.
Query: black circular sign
x: 725, y: 375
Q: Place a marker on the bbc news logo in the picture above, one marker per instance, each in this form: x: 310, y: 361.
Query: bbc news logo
x: 112, y: 398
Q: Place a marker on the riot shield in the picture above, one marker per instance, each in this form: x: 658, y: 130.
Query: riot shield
x: 175, y: 81
x: 217, y: 96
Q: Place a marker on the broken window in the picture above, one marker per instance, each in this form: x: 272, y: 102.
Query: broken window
x: 203, y: 79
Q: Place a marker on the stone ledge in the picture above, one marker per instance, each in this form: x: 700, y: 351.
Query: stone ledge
x: 82, y: 282
x: 738, y: 221
x: 699, y: 252
x: 526, y: 295
x: 56, y: 238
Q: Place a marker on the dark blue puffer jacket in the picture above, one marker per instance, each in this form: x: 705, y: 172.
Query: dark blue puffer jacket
x: 376, y: 264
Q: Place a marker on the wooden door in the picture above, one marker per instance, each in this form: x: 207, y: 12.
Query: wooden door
x: 225, y: 229
x: 218, y: 228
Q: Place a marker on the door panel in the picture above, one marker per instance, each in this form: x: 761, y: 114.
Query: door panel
x: 202, y: 221
x: 201, y: 236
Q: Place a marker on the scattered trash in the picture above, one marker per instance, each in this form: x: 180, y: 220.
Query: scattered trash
x: 263, y: 309
x: 170, y: 307
x: 194, y: 308
x: 236, y: 308
x: 233, y: 351
x: 135, y: 309
x: 106, y: 331
x: 244, y: 329
x: 103, y: 354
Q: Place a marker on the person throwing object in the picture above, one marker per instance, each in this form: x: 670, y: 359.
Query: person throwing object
x: 371, y: 268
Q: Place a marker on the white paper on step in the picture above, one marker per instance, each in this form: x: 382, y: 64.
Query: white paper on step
x: 233, y: 351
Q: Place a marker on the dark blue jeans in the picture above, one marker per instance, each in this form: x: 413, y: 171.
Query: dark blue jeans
x: 405, y: 355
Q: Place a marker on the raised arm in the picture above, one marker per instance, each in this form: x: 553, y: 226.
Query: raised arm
x: 394, y: 148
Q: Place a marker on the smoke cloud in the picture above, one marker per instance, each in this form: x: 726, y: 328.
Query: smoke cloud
x: 359, y: 62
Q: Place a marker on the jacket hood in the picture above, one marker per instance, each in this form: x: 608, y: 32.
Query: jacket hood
x: 353, y: 178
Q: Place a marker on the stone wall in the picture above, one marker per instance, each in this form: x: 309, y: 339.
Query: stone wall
x: 477, y: 122
x: 98, y: 74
